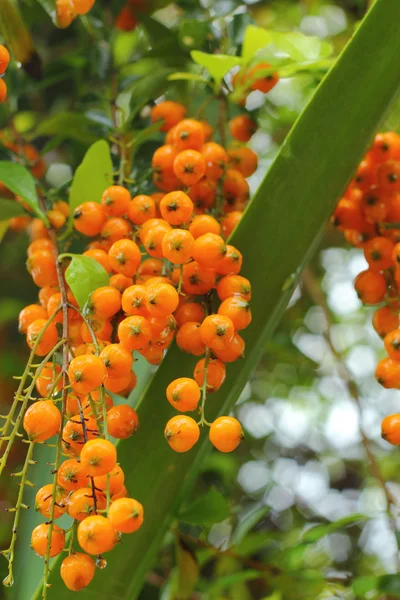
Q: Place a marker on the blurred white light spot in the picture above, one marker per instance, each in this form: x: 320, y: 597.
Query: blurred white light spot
x: 342, y: 424
x: 253, y: 476
x: 335, y: 19
x: 285, y: 471
x: 58, y: 174
x: 357, y: 263
x: 314, y: 26
x: 312, y: 482
x: 311, y: 345
x: 220, y: 535
x: 315, y: 320
x: 361, y: 361
x: 256, y: 419
x: 342, y: 298
x: 279, y: 498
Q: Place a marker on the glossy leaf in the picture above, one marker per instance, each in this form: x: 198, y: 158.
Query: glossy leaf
x: 84, y: 275
x: 319, y: 531
x: 91, y: 178
x: 216, y: 64
x: 208, y: 509
x: 296, y: 198
x: 20, y: 181
x: 10, y: 208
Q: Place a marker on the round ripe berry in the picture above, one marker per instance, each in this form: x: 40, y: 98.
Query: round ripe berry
x: 197, y: 279
x: 44, y: 501
x: 101, y: 257
x: 101, y: 329
x: 202, y: 224
x: 29, y: 314
x: 189, y: 166
x: 217, y: 331
x: 86, y: 373
x: 177, y: 246
x: 162, y: 330
x: 153, y: 239
x: 4, y: 59
x: 74, y: 437
x: 42, y: 267
x: 104, y: 302
x: 122, y: 421
x: 65, y: 13
x: 42, y: 420
x: 244, y: 160
x: 203, y: 195
x: 81, y: 503
x: 114, y: 480
x: 387, y: 373
x: 117, y: 360
x: 161, y: 300
x: 238, y: 310
x: 233, y: 351
x: 189, y: 311
x: 391, y: 429
x: 266, y: 82
x: 126, y: 515
x: 72, y: 475
x: 216, y: 160
x: 208, y: 250
x: 45, y: 381
x: 370, y: 287
x: 233, y: 285
x: 56, y: 219
x: 133, y: 300
x: 235, y: 189
x: 216, y: 373
x: 189, y: 135
x: 184, y: 394
x: 386, y: 146
x: 116, y: 200
x: 39, y: 540
x: 392, y: 344
x: 189, y: 340
x: 169, y: 113
x: 141, y: 209
x: 134, y: 332
x: 182, y: 433
x: 389, y: 176
x: 3, y: 90
x: 118, y: 385
x: 120, y: 282
x: 89, y: 218
x: 98, y: 457
x: 77, y: 571
x: 163, y: 159
x: 176, y: 208
x: 226, y: 434
x: 153, y: 353
x: 385, y: 319
x: 96, y: 535
x: 231, y: 263
x: 242, y: 128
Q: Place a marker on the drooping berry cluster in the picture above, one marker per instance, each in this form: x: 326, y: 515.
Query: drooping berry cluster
x: 4, y: 61
x: 369, y: 215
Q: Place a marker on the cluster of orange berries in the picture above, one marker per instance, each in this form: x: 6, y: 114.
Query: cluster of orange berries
x: 369, y: 215
x: 68, y: 10
x: 4, y: 62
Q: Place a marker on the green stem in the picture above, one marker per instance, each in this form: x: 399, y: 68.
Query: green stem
x: 203, y: 421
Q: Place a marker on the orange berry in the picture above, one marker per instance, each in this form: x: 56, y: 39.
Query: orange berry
x: 208, y: 250
x: 134, y: 332
x: 62, y: 207
x: 39, y: 540
x: 391, y: 429
x: 266, y: 82
x: 153, y: 238
x: 120, y: 282
x: 216, y: 160
x: 77, y: 570
x: 226, y: 434
x: 387, y: 373
x: 242, y: 128
x: 152, y: 353
x: 203, y: 195
x: 46, y: 379
x: 197, y: 279
x: 182, y: 433
x: 115, y: 229
x: 29, y: 314
x: 189, y: 311
x: 216, y: 373
x: 125, y: 257
x: 233, y: 351
x: 385, y: 319
x: 389, y: 176
x: 177, y: 246
x: 89, y: 218
x: 230, y: 222
x: 189, y: 339
x: 101, y: 329
x: 133, y: 300
x: 189, y: 135
x: 162, y: 330
x: 3, y: 90
x: 98, y: 457
x: 56, y: 218
x: 104, y: 302
x: 392, y: 344
x: 86, y: 373
x: 163, y: 159
x: 44, y: 501
x: 244, y: 160
x: 72, y: 475
x: 96, y: 535
x: 231, y: 263
x: 161, y: 299
x: 81, y: 502
x: 126, y: 515
x: 176, y: 208
x: 238, y: 310
x: 141, y: 209
x: 366, y: 176
x: 151, y: 266
x: 189, y: 166
x: 65, y: 13
x: 202, y: 224
x: 121, y: 385
x: 235, y: 189
x: 184, y: 394
x: 48, y: 338
x: 42, y: 420
x: 117, y: 359
x: 168, y: 112
x: 114, y: 480
x: 42, y: 268
x: 74, y: 437
x: 386, y: 146
x: 122, y: 421
x: 234, y: 285
x: 217, y: 331
x: 370, y: 287
x: 101, y: 257
x: 116, y: 201
x: 4, y: 59
x: 40, y: 244
x: 37, y: 229
x: 375, y: 205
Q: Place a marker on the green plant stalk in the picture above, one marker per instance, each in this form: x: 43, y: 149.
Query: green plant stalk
x: 9, y: 553
x: 295, y: 199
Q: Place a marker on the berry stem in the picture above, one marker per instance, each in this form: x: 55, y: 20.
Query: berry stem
x: 203, y: 421
x: 9, y: 553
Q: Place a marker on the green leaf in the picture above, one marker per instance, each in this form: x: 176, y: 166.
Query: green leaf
x: 208, y: 509
x: 72, y: 126
x: 255, y: 39
x: 227, y: 581
x: 179, y: 76
x: 389, y: 584
x: 216, y: 64
x: 245, y: 525
x: 91, y: 178
x: 49, y: 6
x: 3, y: 229
x: 362, y: 585
x: 10, y: 208
x: 188, y: 571
x: 295, y: 199
x: 20, y: 181
x: 84, y: 275
x: 192, y: 33
x: 144, y: 89
x: 319, y: 531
